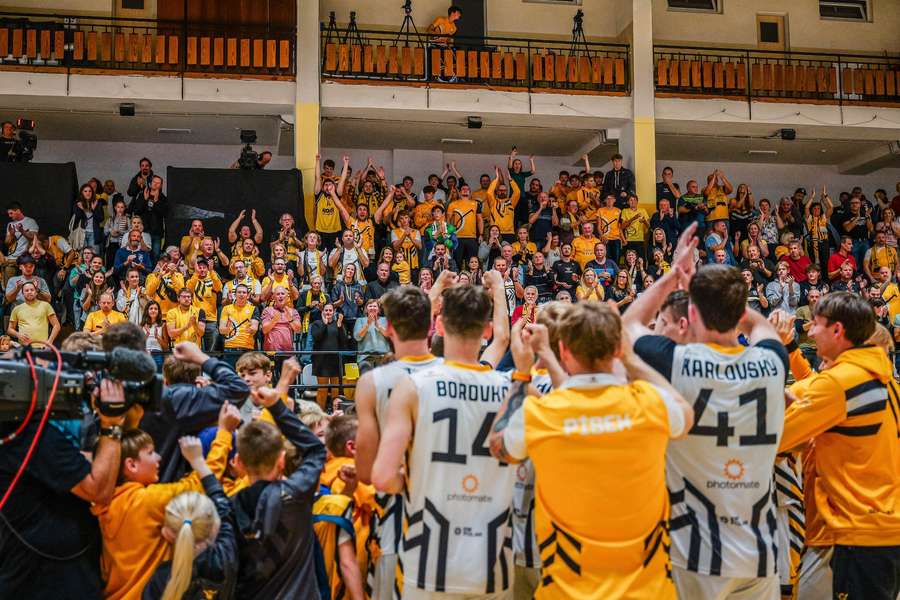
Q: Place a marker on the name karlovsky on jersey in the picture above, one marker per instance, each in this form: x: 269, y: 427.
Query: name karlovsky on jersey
x: 695, y: 367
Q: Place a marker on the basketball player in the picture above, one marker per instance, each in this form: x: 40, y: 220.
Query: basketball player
x: 720, y: 476
x: 408, y: 312
x: 601, y: 438
x: 457, y: 538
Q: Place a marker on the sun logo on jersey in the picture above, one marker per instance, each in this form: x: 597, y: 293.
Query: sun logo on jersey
x: 734, y: 469
x: 470, y: 484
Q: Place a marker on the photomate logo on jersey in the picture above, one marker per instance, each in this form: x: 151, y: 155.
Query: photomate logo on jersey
x: 585, y: 425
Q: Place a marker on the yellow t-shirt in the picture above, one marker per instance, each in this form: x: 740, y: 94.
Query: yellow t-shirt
x: 327, y: 218
x: 462, y: 214
x: 96, y: 321
x: 364, y: 233
x: 241, y: 337
x: 596, y: 428
x: 608, y: 222
x: 530, y: 248
x: 636, y: 231
x: 503, y: 211
x: 717, y: 202
x: 156, y: 289
x: 583, y: 250
x: 444, y: 26
x: 403, y: 271
x: 587, y: 198
x: 422, y: 215
x: 408, y: 248
x: 33, y: 320
x: 180, y: 318
x: 206, y: 293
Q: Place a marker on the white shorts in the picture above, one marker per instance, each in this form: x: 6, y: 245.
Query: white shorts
x: 694, y: 586
x: 815, y: 573
x: 414, y: 593
x: 385, y: 576
x: 525, y: 582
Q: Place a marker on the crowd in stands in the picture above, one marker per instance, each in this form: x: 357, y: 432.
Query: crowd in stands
x: 583, y: 236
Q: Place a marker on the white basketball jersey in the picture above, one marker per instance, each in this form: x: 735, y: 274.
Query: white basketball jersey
x: 720, y: 475
x: 387, y: 529
x: 458, y: 535
x: 525, y: 546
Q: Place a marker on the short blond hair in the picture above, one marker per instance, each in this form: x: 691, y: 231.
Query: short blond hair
x: 550, y: 315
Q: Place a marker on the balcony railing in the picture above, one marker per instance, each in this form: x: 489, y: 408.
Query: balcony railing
x: 804, y: 77
x: 490, y: 62
x: 51, y: 42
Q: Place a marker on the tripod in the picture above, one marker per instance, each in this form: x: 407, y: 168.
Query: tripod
x: 352, y: 34
x: 408, y: 27
x: 578, y: 38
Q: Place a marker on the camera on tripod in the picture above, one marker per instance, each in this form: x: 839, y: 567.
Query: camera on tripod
x: 80, y: 376
x: 249, y: 158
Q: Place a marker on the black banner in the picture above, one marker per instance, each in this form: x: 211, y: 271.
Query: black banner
x: 46, y: 192
x: 217, y: 196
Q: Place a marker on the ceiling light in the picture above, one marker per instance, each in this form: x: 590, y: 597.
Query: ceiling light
x: 173, y: 130
x: 762, y: 152
x: 456, y: 141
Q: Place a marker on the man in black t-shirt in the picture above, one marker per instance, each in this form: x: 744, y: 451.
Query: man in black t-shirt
x: 566, y: 272
x: 50, y: 542
x: 9, y: 143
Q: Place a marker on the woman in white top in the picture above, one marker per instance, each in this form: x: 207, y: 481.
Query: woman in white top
x: 155, y: 329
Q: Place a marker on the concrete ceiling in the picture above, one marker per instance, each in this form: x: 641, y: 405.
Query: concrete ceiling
x: 710, y: 148
x: 490, y: 139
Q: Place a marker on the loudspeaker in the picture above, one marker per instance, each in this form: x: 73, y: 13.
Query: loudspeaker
x: 788, y: 134
x: 126, y: 109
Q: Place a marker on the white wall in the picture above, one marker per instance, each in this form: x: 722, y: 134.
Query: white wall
x: 119, y: 161
x: 736, y: 26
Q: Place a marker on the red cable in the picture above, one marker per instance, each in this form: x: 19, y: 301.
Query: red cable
x: 40, y: 429
x: 34, y: 395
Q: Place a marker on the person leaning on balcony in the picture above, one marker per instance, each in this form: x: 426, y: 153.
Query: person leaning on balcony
x: 444, y: 28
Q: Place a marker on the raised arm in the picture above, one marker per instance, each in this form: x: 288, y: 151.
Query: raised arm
x: 500, y: 320
x: 232, y: 229
x: 257, y: 228
x: 318, y: 174
x: 379, y: 214
x: 343, y: 179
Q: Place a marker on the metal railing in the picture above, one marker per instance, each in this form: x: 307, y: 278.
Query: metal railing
x: 39, y: 41
x: 804, y: 77
x: 505, y: 63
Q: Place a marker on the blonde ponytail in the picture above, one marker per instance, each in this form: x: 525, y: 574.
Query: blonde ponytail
x: 194, y: 520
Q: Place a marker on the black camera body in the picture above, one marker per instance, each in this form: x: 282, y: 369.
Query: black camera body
x: 80, y: 376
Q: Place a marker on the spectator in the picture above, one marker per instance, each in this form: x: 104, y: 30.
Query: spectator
x: 788, y: 219
x: 589, y: 288
x: 618, y: 182
x: 762, y: 269
x: 501, y: 205
x: 716, y: 192
x: 768, y: 224
x: 237, y: 237
x: 274, y: 514
x: 311, y: 261
x: 140, y: 181
x: 784, y: 292
x: 347, y: 295
x: 692, y: 207
x: 383, y: 283
x: 241, y: 277
x: 239, y: 323
x: 566, y: 272
x: 34, y: 321
x: 843, y: 255
x: 717, y: 239
x: 609, y: 227
x: 131, y: 298
x: 153, y: 207
x: 439, y: 232
x: 87, y: 217
x: 14, y: 285
x: 442, y: 261
x: 465, y: 215
x: 280, y: 322
x: 741, y: 210
x: 326, y: 220
x: 115, y: 229
x: 190, y: 243
x: 880, y: 255
x: 155, y: 329
x: 634, y: 227
x: 132, y: 256
x: 603, y: 267
x: 539, y: 277
x: 370, y: 333
x: 659, y: 242
x: 754, y: 238
x: 796, y: 261
x: 621, y: 291
x: 328, y: 335
x: 185, y: 323
x: 278, y: 276
x: 667, y: 190
x: 583, y: 245
x: 164, y: 283
x: 105, y: 315
x: 206, y: 286
x: 346, y: 254
x: 442, y: 29
x: 634, y: 267
x: 756, y: 292
x: 528, y: 309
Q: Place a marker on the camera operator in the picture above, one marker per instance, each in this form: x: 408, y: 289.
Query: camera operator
x: 50, y: 542
x: 187, y: 408
x: 9, y: 143
x: 264, y: 158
